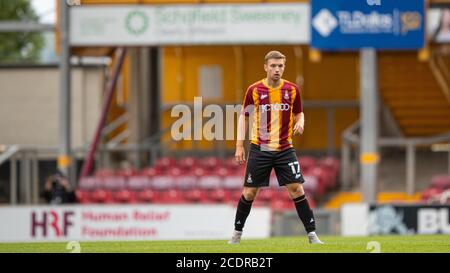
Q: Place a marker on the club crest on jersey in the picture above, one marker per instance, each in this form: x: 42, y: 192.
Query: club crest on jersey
x: 249, y: 179
x: 286, y: 95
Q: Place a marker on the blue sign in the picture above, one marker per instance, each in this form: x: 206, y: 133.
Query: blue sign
x: 356, y: 24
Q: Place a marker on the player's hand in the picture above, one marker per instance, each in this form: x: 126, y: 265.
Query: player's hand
x: 299, y: 127
x: 240, y: 155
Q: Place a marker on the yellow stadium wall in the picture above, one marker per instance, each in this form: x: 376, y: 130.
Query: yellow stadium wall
x: 333, y: 78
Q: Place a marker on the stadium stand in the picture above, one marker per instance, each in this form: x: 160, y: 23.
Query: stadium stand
x: 439, y: 190
x: 206, y: 180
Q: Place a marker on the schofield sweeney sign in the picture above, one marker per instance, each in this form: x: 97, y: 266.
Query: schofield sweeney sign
x: 190, y: 24
x: 354, y: 24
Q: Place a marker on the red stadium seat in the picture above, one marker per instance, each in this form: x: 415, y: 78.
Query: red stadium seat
x: 431, y: 193
x: 331, y: 163
x: 186, y: 181
x: 187, y: 163
x: 162, y: 182
x: 171, y: 196
x: 233, y: 182
x: 195, y: 196
x: 125, y: 196
x: 282, y: 205
x: 150, y: 171
x: 273, y: 180
x: 219, y: 195
x: 307, y: 163
x: 83, y: 197
x: 165, y: 163
x: 267, y: 194
x: 127, y: 172
x: 139, y: 183
x: 102, y: 196
x: 89, y: 183
x: 104, y: 173
x: 440, y: 182
x: 147, y: 196
x: 210, y: 163
x: 235, y: 195
x: 114, y: 183
x: 210, y: 182
x: 231, y: 164
x: 311, y: 183
x: 322, y: 177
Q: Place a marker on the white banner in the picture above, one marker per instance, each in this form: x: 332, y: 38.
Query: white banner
x: 190, y: 24
x: 127, y: 222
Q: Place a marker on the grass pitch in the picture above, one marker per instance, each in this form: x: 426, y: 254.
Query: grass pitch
x: 333, y: 244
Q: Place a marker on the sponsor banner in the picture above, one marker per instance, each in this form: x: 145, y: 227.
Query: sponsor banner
x: 438, y: 24
x: 363, y: 220
x: 190, y: 24
x: 126, y: 222
x: 355, y: 24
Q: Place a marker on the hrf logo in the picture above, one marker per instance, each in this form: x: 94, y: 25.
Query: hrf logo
x: 46, y: 221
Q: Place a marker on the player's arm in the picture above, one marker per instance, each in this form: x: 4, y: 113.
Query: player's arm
x: 299, y: 116
x: 243, y: 125
x: 299, y: 123
x: 242, y: 129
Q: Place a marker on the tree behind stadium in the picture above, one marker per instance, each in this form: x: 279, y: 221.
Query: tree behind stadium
x: 19, y: 46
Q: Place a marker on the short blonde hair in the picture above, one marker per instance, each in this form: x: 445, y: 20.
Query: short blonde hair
x: 274, y: 55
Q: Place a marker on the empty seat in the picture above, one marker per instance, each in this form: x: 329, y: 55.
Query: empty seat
x: 139, y: 183
x: 114, y: 183
x: 210, y: 163
x: 150, y: 171
x: 165, y: 163
x: 219, y: 195
x: 267, y: 194
x: 196, y: 196
x: 186, y: 181
x: 83, y: 197
x: 147, y: 196
x: 307, y: 163
x: 125, y: 196
x: 104, y: 173
x: 210, y: 182
x: 127, y: 172
x: 171, y: 196
x: 187, y: 163
x: 311, y: 183
x: 89, y: 183
x: 162, y: 182
x: 102, y: 196
x: 440, y: 182
x: 233, y: 182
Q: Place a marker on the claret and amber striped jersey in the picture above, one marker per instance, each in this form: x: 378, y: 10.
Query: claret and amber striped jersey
x: 273, y: 111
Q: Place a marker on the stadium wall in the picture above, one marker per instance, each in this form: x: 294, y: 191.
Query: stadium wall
x: 334, y: 78
x: 29, y: 104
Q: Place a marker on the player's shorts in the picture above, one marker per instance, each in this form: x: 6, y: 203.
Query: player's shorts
x: 260, y: 164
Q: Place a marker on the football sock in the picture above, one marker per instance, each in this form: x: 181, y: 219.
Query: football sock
x: 242, y: 212
x: 305, y: 213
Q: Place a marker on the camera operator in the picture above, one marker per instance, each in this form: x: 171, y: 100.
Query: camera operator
x: 58, y: 190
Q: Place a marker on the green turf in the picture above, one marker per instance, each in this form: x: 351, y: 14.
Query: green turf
x: 334, y: 244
